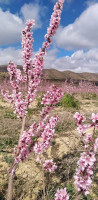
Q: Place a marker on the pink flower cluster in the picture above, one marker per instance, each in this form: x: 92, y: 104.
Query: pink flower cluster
x: 84, y: 171
x: 87, y: 160
x: 61, y: 194
x: 20, y: 104
x: 15, y: 75
x: 52, y: 96
x: 45, y: 112
x: 7, y: 96
x: 38, y: 137
x: 38, y: 62
x: 35, y: 76
x: 26, y: 144
x: 46, y: 135
x: 81, y: 126
x: 79, y: 118
x: 95, y: 145
x: 55, y: 19
x: 27, y: 46
x: 49, y: 166
x: 95, y: 119
x: 17, y: 102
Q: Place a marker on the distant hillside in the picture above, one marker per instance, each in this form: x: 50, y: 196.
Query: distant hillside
x: 53, y: 74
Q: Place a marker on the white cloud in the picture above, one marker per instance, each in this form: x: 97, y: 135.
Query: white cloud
x: 83, y: 33
x: 10, y: 54
x: 33, y: 11
x: 11, y: 25
x: 10, y: 28
x: 50, y: 58
x: 79, y: 61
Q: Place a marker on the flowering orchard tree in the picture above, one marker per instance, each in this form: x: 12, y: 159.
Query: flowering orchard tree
x: 88, y: 159
x: 29, y: 140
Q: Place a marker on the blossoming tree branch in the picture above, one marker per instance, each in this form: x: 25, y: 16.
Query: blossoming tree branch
x: 29, y: 139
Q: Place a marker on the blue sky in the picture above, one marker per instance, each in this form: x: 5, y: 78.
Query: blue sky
x: 75, y: 45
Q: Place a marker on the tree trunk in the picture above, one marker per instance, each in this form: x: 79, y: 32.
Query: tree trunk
x: 14, y: 166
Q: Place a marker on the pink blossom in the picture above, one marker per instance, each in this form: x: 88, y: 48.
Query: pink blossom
x: 15, y: 75
x: 9, y: 98
x: 49, y: 165
x: 27, y: 46
x: 61, y: 194
x: 84, y: 171
x: 95, y: 145
x: 46, y: 134
x: 38, y: 147
x: 45, y: 112
x: 88, y: 138
x: 95, y: 119
x: 87, y: 160
x: 30, y: 23
x: 52, y: 96
x: 82, y: 129
x: 79, y: 118
x: 82, y: 183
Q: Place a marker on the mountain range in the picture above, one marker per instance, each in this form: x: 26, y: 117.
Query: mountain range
x: 53, y: 74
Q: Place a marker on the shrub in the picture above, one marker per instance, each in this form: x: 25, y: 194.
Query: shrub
x: 68, y: 101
